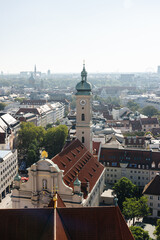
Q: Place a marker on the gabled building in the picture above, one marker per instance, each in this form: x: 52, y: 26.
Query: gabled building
x: 77, y: 175
x: 149, y: 123
x: 152, y: 192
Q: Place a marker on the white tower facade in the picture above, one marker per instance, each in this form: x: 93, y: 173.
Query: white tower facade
x: 84, y: 111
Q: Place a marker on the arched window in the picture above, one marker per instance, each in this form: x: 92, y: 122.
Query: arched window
x: 83, y: 117
x: 44, y: 184
x: 158, y: 165
x: 82, y: 139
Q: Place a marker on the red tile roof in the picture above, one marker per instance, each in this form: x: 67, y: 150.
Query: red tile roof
x: 149, y: 120
x: 133, y: 157
x: 96, y: 147
x: 71, y: 223
x: 28, y: 110
x: 76, y: 158
x: 153, y: 187
x: 95, y: 223
x: 136, y: 125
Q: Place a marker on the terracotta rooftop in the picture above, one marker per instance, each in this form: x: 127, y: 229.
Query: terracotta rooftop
x: 76, y: 158
x: 136, y: 125
x: 153, y: 187
x: 28, y: 110
x: 71, y: 224
x: 96, y: 147
x: 149, y: 120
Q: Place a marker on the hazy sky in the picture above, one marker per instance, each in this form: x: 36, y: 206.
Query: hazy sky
x: 111, y: 35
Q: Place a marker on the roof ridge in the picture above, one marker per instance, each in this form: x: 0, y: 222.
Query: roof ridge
x: 148, y: 184
x: 117, y: 213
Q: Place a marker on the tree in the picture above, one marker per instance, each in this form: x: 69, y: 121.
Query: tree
x: 124, y: 188
x: 54, y: 139
x: 49, y: 125
x: 139, y: 233
x: 133, y: 106
x: 130, y: 210
x: 143, y: 209
x: 150, y: 111
x: 135, y: 208
x: 57, y: 122
x: 19, y: 99
x: 30, y: 140
x: 2, y: 106
x: 157, y: 230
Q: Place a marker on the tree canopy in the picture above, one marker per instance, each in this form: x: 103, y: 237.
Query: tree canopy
x: 139, y: 233
x: 133, y: 106
x: 54, y: 139
x: 135, y: 208
x: 157, y: 230
x: 32, y: 138
x: 124, y: 188
x: 150, y: 111
x: 2, y: 106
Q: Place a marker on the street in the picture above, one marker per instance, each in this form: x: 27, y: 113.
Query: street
x: 6, y: 202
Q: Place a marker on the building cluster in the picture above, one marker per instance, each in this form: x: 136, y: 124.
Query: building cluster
x: 95, y: 156
x: 40, y: 112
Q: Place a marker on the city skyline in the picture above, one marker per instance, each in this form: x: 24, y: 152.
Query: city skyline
x: 119, y: 36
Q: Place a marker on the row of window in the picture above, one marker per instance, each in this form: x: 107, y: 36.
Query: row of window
x: 151, y: 204
x: 151, y: 197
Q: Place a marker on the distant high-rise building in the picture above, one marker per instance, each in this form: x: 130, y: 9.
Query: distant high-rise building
x: 35, y: 71
x: 158, y: 69
x: 49, y: 72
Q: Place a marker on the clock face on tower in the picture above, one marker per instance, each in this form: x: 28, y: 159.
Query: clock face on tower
x: 83, y: 102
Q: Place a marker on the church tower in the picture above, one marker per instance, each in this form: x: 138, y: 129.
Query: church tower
x: 84, y: 111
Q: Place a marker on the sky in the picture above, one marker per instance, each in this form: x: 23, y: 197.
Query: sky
x: 110, y: 35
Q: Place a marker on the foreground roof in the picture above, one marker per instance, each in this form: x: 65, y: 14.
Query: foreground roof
x: 153, y: 187
x: 70, y: 223
x: 75, y: 158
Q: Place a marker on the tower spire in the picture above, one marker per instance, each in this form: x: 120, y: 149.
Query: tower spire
x: 84, y: 73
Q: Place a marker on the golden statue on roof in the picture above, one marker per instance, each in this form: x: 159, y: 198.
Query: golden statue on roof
x: 44, y: 154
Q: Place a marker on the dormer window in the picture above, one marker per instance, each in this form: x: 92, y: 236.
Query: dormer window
x: 153, y: 165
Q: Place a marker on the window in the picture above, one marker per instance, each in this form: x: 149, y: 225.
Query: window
x: 158, y: 204
x: 83, y: 117
x: 44, y: 184
x: 153, y: 165
x: 114, y: 164
x: 158, y: 197
x: 151, y: 197
x: 83, y: 140
x: 151, y: 204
